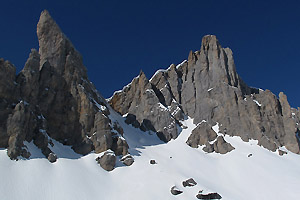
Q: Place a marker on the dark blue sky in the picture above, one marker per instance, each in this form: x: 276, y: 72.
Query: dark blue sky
x: 119, y: 38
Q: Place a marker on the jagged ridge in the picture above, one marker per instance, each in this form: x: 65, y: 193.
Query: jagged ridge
x: 207, y: 87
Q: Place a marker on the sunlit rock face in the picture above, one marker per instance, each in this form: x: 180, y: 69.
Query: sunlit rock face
x: 207, y: 87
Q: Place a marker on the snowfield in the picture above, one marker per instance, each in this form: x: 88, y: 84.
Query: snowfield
x: 235, y: 176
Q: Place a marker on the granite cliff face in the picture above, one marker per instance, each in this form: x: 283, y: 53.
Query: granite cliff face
x: 208, y: 89
x: 52, y: 98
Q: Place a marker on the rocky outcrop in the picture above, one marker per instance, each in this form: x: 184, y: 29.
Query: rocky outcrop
x: 52, y: 97
x: 146, y: 108
x: 201, y: 135
x: 207, y: 87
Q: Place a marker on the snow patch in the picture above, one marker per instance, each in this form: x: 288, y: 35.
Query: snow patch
x: 156, y: 73
x: 216, y: 128
x: 179, y: 65
x: 257, y: 102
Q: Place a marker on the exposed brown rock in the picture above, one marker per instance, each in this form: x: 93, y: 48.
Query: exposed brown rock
x: 221, y: 146
x: 202, y: 134
x: 107, y: 161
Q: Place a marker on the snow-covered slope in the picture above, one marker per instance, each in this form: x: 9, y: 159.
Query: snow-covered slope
x: 235, y: 176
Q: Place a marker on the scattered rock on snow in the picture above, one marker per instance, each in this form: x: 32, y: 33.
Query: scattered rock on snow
x: 107, y: 161
x: 250, y: 155
x: 189, y: 183
x: 175, y: 190
x: 127, y: 160
x: 209, y: 196
x: 52, y: 157
x: 153, y: 162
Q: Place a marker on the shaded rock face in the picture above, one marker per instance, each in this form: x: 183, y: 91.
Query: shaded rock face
x: 8, y: 98
x: 207, y: 87
x: 52, y: 97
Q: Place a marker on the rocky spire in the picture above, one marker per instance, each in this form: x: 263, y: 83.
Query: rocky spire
x: 52, y: 41
x: 54, y: 46
x: 54, y: 99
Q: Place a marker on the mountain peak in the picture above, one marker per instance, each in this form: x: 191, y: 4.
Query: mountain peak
x: 45, y: 15
x: 53, y: 44
x: 210, y: 42
x: 45, y: 22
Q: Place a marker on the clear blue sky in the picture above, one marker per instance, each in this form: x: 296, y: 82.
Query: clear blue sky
x: 119, y: 38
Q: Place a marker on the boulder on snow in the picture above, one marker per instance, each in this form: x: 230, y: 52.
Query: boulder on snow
x: 189, y: 183
x: 152, y: 162
x: 127, y: 160
x: 209, y: 196
x: 175, y: 190
x: 107, y: 161
x: 52, y: 157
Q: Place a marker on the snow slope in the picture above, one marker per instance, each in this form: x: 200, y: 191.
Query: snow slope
x: 235, y: 176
